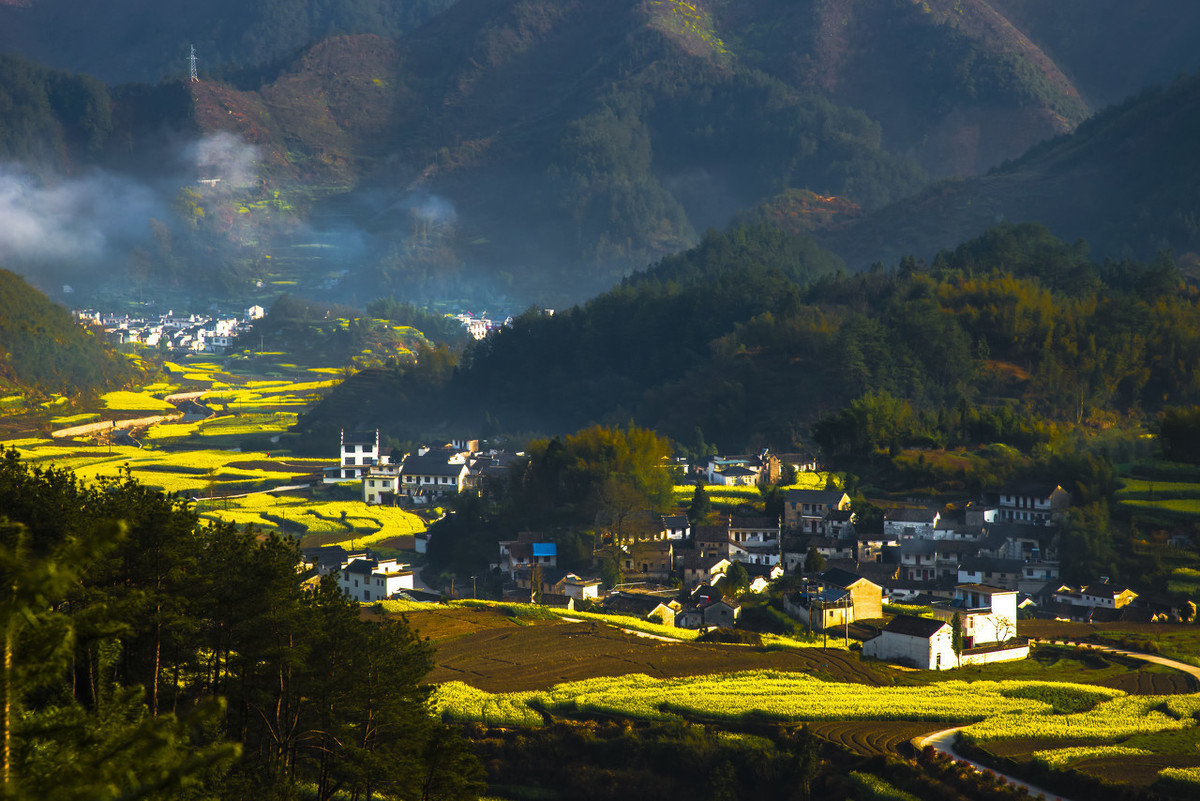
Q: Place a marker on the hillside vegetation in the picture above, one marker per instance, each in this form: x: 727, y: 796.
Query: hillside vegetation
x: 753, y: 335
x: 44, y: 351
x: 1122, y: 181
x: 539, y: 149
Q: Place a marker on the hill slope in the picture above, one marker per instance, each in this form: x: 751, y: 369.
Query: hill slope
x: 43, y: 350
x: 544, y: 149
x: 1124, y: 181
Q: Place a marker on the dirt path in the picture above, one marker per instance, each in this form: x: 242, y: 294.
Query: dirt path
x: 1183, y: 667
x: 944, y: 740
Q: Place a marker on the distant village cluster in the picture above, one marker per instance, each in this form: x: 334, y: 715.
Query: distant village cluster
x: 983, y: 563
x: 189, y: 333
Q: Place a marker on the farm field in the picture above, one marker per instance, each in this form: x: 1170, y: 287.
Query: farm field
x: 223, y: 463
x: 1178, y: 642
x: 728, y: 499
x: 1162, y: 487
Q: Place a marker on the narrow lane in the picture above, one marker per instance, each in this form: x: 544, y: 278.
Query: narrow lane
x: 943, y: 741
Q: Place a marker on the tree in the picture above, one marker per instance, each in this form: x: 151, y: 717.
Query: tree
x: 735, y: 581
x: 1006, y: 629
x: 701, y: 507
x: 808, y: 761
x: 956, y: 636
x: 814, y: 562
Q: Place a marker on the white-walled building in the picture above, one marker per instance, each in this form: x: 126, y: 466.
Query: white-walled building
x: 370, y: 580
x: 917, y: 641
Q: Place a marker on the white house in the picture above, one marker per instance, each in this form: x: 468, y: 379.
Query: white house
x: 369, y: 580
x: 988, y: 614
x: 1032, y: 503
x: 357, y: 452
x: 378, y: 480
x: 916, y: 641
x: 430, y: 475
x: 910, y: 523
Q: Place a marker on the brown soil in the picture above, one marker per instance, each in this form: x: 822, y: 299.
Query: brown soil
x: 506, y: 657
x: 870, y: 737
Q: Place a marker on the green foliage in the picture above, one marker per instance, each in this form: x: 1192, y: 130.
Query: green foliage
x: 43, y: 349
x: 159, y: 622
x: 701, y: 507
x: 50, y: 116
x: 1179, y: 433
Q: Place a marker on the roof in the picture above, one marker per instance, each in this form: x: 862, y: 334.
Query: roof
x: 911, y: 626
x: 984, y: 589
x: 910, y: 515
x: 631, y: 602
x: 754, y: 522
x: 431, y: 465
x: 360, y: 437
x: 975, y: 564
x: 842, y: 578
x: 1030, y: 489
x: 736, y: 471
x: 718, y: 534
x: 918, y: 546
x: 1104, y: 590
x: 829, y: 497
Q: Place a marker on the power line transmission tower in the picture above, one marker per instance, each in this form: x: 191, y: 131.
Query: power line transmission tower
x: 192, y: 65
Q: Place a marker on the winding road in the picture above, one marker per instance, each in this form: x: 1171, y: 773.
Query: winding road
x: 945, y: 739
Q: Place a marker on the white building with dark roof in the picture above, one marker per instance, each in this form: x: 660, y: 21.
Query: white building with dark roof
x: 916, y: 641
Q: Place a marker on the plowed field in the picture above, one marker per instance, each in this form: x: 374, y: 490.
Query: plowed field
x: 492, y: 652
x: 870, y: 737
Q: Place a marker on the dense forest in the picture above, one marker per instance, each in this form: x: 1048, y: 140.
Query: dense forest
x: 149, y: 655
x: 754, y: 335
x: 43, y: 350
x: 239, y: 39
x: 46, y: 116
x: 541, y: 151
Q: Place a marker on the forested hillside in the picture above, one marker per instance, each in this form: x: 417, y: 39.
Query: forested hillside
x: 50, y: 118
x: 43, y: 350
x: 752, y: 336
x: 1122, y: 181
x: 525, y: 148
x: 129, y: 40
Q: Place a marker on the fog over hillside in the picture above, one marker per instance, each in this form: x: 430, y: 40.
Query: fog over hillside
x: 507, y: 153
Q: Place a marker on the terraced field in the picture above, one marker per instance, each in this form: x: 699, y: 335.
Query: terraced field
x: 869, y: 737
x: 509, y: 658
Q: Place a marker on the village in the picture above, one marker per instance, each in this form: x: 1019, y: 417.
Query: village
x: 217, y: 332
x: 976, y: 567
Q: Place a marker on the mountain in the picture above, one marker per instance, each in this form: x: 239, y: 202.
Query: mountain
x: 1123, y: 181
x: 43, y: 350
x: 128, y: 41
x: 508, y: 150
x: 1110, y: 49
x: 749, y: 338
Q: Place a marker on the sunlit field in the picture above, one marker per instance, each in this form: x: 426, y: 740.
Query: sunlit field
x: 205, y: 462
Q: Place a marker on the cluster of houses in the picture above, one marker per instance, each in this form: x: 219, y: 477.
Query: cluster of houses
x: 974, y: 565
x: 180, y: 332
x: 420, y: 478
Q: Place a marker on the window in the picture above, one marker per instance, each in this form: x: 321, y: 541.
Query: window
x: 367, y: 595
